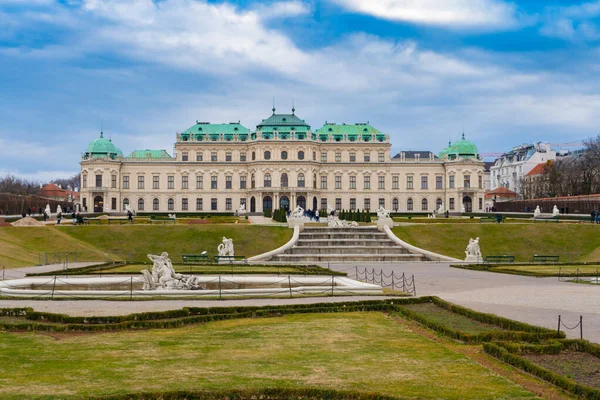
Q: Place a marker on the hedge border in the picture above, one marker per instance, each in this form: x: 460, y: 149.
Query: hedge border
x: 310, y: 393
x: 493, y: 268
x: 563, y: 382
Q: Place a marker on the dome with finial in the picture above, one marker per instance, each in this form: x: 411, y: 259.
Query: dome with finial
x: 462, y: 148
x: 102, y: 147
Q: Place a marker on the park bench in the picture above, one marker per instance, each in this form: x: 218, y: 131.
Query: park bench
x: 231, y: 259
x: 539, y: 258
x: 484, y: 220
x: 195, y: 258
x: 499, y: 259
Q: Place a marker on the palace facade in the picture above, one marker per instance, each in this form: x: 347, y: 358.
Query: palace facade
x: 282, y: 163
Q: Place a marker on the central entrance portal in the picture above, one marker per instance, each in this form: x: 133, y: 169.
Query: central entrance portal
x: 284, y: 203
x: 98, y: 204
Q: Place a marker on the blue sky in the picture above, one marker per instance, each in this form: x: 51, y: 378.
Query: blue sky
x: 507, y: 72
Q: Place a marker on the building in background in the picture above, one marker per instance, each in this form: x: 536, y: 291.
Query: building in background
x: 510, y: 169
x: 281, y: 164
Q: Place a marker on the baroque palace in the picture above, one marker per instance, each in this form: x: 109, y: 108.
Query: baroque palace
x: 283, y: 163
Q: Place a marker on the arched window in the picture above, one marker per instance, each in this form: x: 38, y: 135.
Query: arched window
x: 253, y: 155
x: 140, y: 204
x: 284, y: 180
x: 395, y: 205
x: 267, y: 155
x: 284, y: 155
x: 155, y: 205
x: 424, y: 205
x: 438, y: 204
x: 300, y: 180
x: 267, y: 180
x: 171, y: 204
x: 409, y: 204
x: 300, y: 155
x: 125, y: 204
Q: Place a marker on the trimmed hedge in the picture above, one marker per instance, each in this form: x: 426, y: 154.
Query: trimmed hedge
x: 247, y: 394
x: 565, y: 383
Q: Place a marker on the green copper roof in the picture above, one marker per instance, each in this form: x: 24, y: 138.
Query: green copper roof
x: 212, y: 132
x: 354, y: 132
x: 462, y: 148
x: 149, y: 154
x: 283, y: 120
x: 102, y: 147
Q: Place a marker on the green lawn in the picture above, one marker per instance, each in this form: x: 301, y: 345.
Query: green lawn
x: 355, y: 351
x: 550, y: 270
x: 573, y: 242
x: 219, y: 269
x: 20, y: 246
x: 450, y: 319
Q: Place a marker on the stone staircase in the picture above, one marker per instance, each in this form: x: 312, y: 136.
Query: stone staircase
x: 358, y: 244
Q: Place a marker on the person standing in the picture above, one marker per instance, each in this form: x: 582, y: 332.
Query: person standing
x: 593, y: 215
x: 74, y: 217
x: 58, y: 218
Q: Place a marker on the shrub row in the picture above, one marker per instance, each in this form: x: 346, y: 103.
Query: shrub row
x: 247, y: 394
x: 565, y: 383
x: 280, y: 215
x: 553, y: 347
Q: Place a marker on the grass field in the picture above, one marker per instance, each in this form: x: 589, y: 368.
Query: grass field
x: 577, y: 242
x: 450, y: 319
x: 368, y: 352
x: 20, y: 246
x: 549, y: 270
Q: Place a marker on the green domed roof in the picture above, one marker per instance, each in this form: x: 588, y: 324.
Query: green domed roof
x: 102, y: 147
x: 462, y: 148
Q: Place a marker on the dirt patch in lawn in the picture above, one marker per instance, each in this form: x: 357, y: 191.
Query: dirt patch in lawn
x: 583, y: 368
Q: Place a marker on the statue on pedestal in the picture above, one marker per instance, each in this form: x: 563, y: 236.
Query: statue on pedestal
x: 473, y: 252
x: 226, y: 247
x: 163, y: 276
x: 382, y: 213
x: 555, y: 211
x: 537, y: 212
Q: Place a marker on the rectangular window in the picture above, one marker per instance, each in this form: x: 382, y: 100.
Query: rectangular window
x: 155, y: 182
x: 480, y: 182
x: 184, y: 182
x: 352, y: 156
x: 353, y: 204
x: 381, y: 184
x: 242, y: 182
x: 228, y: 203
x: 213, y: 156
x: 338, y: 157
x: 213, y: 182
x: 423, y: 182
x: 184, y: 204
x: 170, y: 182
x: 184, y: 156
x: 352, y: 182
x: 381, y: 157
x: 467, y: 181
x: 367, y: 204
x: 84, y: 181
x: 228, y: 182
x: 323, y: 203
x: 324, y: 157
x: 140, y: 182
x: 98, y: 180
x: 367, y: 182
x: 199, y: 182
x: 338, y: 182
x: 481, y: 204
x: 382, y: 203
x: 409, y: 182
x: 242, y: 156
x: 452, y: 203
x: 338, y: 204
x: 113, y: 203
x: 367, y: 157
x: 199, y: 156
x: 324, y: 182
x: 125, y: 182
x: 438, y: 182
x: 113, y: 182
x: 451, y: 184
x: 213, y: 204
x: 198, y: 204
x: 228, y: 156
x: 395, y: 182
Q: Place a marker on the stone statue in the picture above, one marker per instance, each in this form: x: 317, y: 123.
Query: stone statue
x: 163, y: 276
x: 297, y: 213
x: 127, y: 208
x: 473, y: 252
x: 382, y: 213
x: 462, y: 208
x: 242, y: 209
x: 340, y: 223
x: 440, y: 209
x: 47, y: 210
x: 330, y: 209
x: 226, y: 247
x: 555, y: 211
x: 537, y: 212
x: 58, y: 210
x: 172, y: 216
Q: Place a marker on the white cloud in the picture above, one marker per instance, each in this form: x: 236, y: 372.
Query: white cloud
x: 574, y: 23
x: 283, y: 9
x: 480, y: 14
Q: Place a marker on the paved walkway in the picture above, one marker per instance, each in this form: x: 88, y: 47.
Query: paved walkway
x: 537, y: 301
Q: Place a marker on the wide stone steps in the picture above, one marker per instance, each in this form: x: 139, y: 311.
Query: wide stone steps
x: 358, y: 244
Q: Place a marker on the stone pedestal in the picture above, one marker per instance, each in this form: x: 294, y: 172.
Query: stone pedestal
x: 471, y: 259
x: 296, y: 222
x: 384, y: 222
